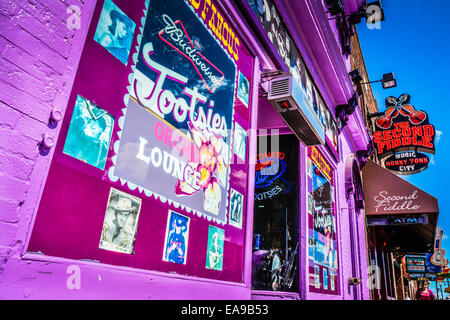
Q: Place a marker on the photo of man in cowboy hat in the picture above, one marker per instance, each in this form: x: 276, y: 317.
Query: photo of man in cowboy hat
x: 119, y: 228
x: 115, y: 31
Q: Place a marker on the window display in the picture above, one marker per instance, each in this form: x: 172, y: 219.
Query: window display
x: 150, y: 169
x: 322, y: 237
x: 275, y: 228
x: 176, y: 130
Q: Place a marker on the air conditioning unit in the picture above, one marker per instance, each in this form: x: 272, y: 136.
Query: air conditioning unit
x: 290, y: 101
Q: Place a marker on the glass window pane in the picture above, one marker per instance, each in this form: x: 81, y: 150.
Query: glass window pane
x: 275, y: 238
x: 322, y: 237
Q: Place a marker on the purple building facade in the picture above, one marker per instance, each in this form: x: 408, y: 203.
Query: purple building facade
x: 161, y: 114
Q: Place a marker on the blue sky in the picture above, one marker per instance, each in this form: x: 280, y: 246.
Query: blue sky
x: 414, y: 42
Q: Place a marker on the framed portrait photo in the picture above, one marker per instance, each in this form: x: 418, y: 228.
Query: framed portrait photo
x: 115, y: 31
x: 89, y: 133
x: 214, y: 253
x: 177, y: 238
x: 243, y: 89
x: 120, y: 223
x: 236, y: 208
x: 240, y: 141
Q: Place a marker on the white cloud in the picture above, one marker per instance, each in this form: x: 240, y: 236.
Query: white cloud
x: 437, y: 137
x: 432, y: 161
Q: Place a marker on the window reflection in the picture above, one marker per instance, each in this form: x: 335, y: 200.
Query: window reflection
x: 322, y: 241
x: 275, y: 238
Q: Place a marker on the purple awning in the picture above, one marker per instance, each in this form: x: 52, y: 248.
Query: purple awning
x: 385, y: 194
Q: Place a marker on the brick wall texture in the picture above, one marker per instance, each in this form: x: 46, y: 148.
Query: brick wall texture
x: 36, y: 43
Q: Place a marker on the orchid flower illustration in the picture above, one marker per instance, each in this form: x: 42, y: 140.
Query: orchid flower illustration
x: 212, y: 167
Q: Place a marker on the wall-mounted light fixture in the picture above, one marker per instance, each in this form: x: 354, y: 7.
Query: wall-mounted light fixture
x: 355, y: 75
x: 388, y: 81
x: 336, y: 10
x: 356, y: 78
x: 334, y: 7
x: 364, y: 155
x: 343, y: 111
x: 373, y: 12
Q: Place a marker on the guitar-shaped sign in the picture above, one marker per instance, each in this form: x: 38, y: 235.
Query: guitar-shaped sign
x: 395, y: 107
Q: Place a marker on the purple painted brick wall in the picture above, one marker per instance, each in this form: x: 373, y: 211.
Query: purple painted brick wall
x: 38, y: 56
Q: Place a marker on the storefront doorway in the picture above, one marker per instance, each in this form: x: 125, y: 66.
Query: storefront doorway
x: 275, y: 228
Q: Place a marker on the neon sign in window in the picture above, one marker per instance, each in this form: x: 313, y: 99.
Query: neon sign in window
x: 322, y: 238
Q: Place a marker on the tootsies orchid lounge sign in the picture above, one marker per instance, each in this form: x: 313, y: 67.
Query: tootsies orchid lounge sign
x: 400, y: 129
